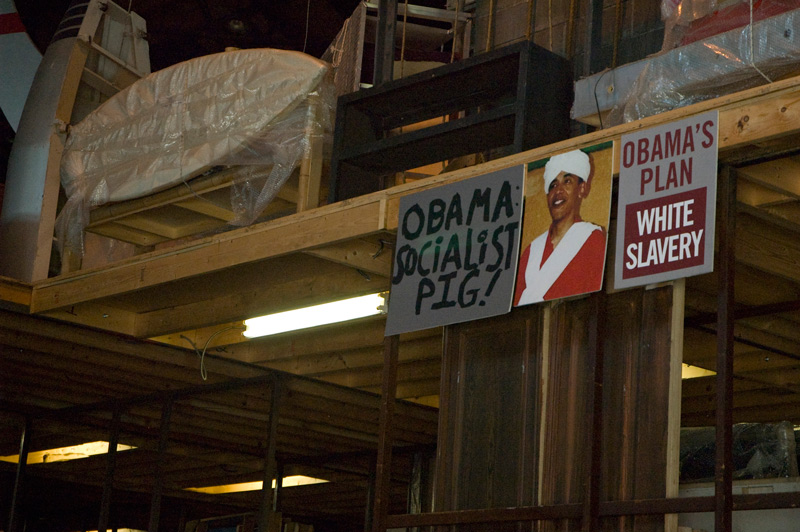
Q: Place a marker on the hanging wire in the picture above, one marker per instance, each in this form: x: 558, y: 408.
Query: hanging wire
x: 202, y: 355
x: 308, y: 13
x: 752, y: 51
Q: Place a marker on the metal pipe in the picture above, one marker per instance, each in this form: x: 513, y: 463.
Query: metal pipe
x: 265, y: 510
x: 158, y: 484
x: 19, y: 480
x: 111, y: 465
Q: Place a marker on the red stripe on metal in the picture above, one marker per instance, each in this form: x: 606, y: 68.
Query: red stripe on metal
x: 11, y: 23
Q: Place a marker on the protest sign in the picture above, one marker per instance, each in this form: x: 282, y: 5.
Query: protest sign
x: 667, y: 198
x: 567, y: 207
x: 456, y: 252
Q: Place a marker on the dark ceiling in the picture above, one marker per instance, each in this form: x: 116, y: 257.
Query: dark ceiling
x: 182, y: 29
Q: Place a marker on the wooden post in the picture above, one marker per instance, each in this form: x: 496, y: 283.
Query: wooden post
x: 383, y: 468
x: 19, y: 480
x: 726, y: 262
x: 384, y: 42
x: 158, y: 485
x: 594, y: 436
x: 265, y: 510
x: 111, y: 465
x: 311, y: 164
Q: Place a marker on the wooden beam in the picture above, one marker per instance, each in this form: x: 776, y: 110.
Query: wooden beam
x: 320, y: 287
x: 383, y: 468
x: 61, y: 333
x: 300, y: 232
x: 675, y: 404
x: 768, y: 248
x: 372, y: 255
x: 747, y: 117
x: 779, y: 175
x: 15, y: 292
x: 422, y: 350
x: 113, y: 319
x: 747, y: 312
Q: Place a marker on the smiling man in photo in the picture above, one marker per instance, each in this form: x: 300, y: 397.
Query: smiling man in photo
x: 569, y: 257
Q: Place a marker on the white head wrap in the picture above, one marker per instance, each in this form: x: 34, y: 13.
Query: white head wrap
x: 573, y: 162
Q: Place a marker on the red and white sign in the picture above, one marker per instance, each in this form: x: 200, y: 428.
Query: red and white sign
x: 667, y: 197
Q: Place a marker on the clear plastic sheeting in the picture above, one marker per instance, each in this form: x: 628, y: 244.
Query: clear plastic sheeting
x: 254, y: 109
x: 759, y: 451
x: 731, y: 61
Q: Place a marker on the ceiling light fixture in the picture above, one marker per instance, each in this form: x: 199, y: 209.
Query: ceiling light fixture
x: 692, y: 372
x: 327, y: 313
x: 294, y: 480
x: 63, y: 454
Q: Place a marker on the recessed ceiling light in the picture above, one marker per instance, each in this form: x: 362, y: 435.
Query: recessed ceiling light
x: 294, y: 480
x: 62, y: 454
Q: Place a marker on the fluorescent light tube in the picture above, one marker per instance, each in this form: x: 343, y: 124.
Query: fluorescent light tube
x: 303, y: 318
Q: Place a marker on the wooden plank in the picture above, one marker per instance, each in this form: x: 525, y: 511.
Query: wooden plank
x: 768, y: 248
x: 251, y: 301
x: 59, y: 333
x: 757, y: 195
x: 300, y: 232
x: 127, y: 234
x: 95, y: 314
x: 15, y: 292
x: 372, y: 255
x: 205, y: 205
x: 99, y: 83
x: 780, y: 175
x: 410, y: 351
x: 170, y: 222
x: 674, y: 404
x: 386, y: 431
x: 310, y: 172
x: 193, y: 187
x: 770, y: 111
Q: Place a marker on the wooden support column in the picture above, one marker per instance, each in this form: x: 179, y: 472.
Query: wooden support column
x: 594, y: 436
x: 19, y: 480
x: 158, y: 485
x: 266, y: 509
x: 384, y: 42
x: 383, y: 468
x: 726, y: 262
x: 111, y: 465
x: 368, y: 518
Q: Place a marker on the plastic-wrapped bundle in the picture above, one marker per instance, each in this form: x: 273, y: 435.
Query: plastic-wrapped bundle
x: 248, y: 108
x: 765, y: 450
x: 728, y: 62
